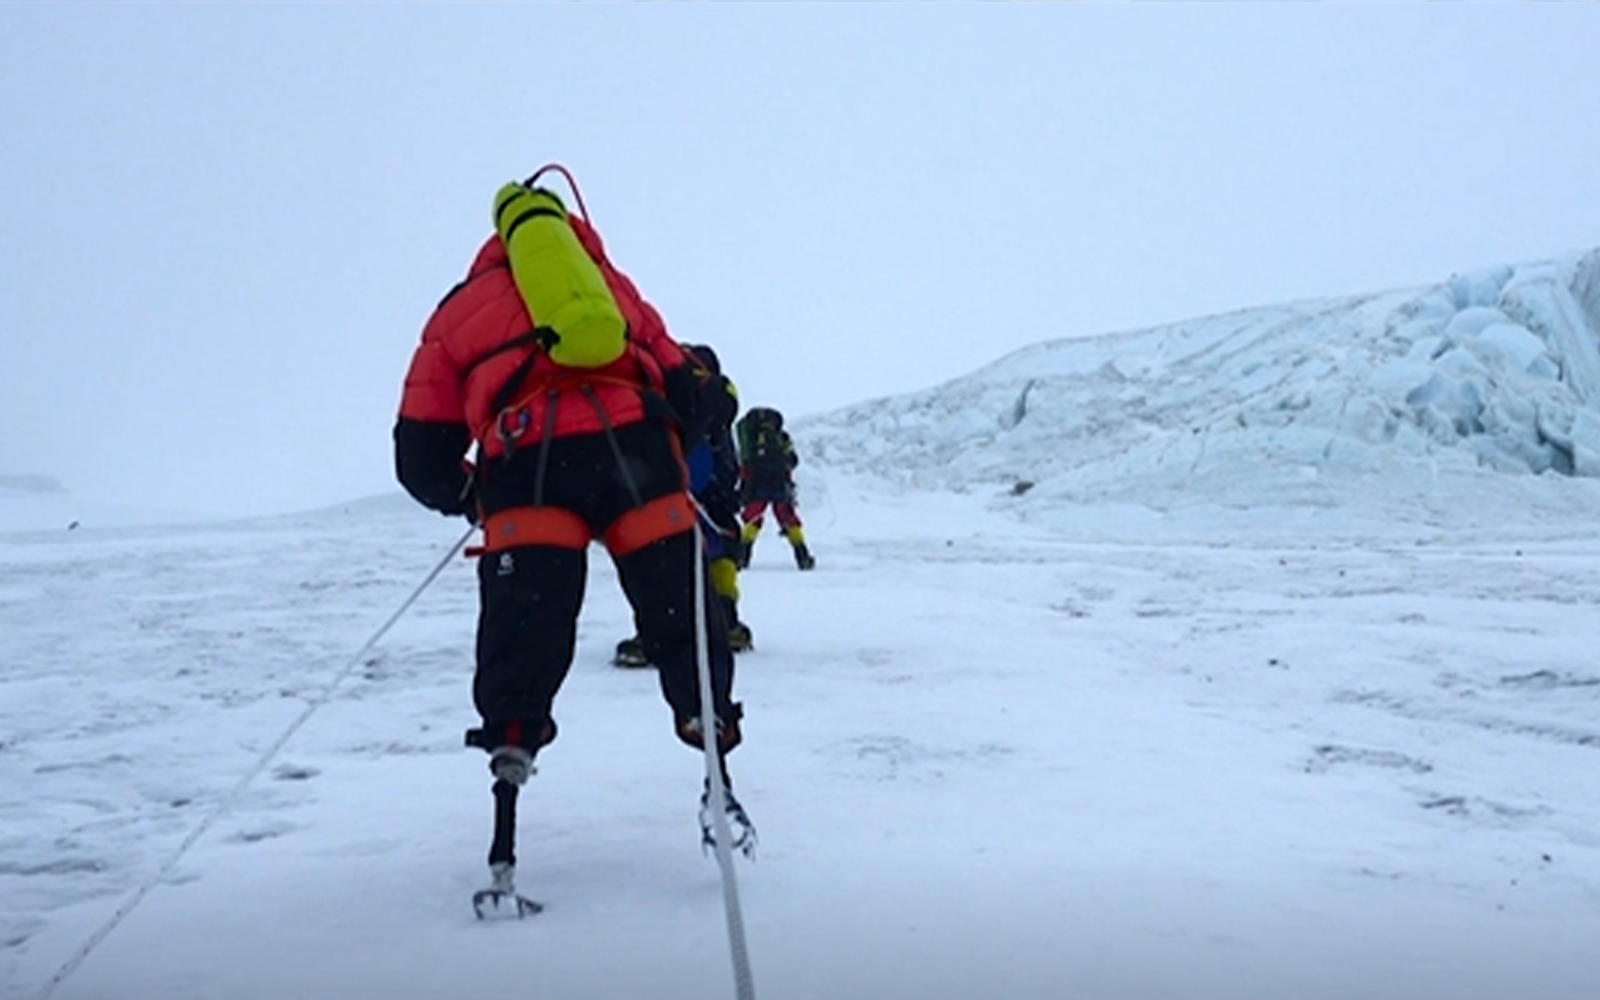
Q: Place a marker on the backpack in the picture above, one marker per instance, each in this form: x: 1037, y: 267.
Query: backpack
x: 578, y: 320
x: 761, y: 442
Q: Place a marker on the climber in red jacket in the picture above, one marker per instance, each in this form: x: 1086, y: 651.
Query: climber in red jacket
x: 562, y: 456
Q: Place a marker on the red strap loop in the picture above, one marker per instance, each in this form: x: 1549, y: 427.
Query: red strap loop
x: 519, y: 526
x: 660, y: 518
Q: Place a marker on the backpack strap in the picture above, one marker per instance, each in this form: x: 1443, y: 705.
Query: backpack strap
x: 527, y: 339
x: 539, y: 338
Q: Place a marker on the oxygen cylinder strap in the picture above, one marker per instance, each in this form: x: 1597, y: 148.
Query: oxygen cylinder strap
x: 524, y: 216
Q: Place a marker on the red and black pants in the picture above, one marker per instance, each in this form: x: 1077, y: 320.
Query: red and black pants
x: 542, y: 506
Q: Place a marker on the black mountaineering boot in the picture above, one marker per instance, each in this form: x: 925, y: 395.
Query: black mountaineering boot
x: 630, y: 653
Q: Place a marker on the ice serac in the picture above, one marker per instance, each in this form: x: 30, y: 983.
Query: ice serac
x: 1492, y: 371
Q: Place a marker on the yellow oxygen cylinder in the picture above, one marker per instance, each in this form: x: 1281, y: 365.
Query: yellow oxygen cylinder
x: 560, y: 283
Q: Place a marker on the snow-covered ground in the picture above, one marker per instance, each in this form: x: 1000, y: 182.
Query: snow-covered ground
x: 1277, y: 681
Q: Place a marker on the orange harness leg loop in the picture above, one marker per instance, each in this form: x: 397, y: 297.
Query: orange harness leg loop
x: 533, y: 526
x: 660, y: 518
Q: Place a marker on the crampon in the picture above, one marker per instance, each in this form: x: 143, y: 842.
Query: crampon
x: 501, y: 900
x: 741, y: 831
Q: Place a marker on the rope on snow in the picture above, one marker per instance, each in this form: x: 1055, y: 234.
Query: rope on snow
x: 231, y: 799
x: 744, y: 984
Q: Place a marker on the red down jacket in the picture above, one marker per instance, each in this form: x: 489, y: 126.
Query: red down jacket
x: 463, y: 362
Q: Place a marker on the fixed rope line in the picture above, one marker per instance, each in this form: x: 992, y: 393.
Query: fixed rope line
x: 231, y: 799
x: 744, y: 984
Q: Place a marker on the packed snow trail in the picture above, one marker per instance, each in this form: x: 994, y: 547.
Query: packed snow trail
x: 1161, y: 757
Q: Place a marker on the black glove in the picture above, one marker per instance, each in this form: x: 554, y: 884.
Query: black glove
x: 466, y: 503
x: 429, y: 465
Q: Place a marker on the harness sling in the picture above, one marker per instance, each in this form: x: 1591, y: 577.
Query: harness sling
x: 539, y: 524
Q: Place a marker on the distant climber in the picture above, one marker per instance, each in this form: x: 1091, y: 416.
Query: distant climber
x: 767, y: 461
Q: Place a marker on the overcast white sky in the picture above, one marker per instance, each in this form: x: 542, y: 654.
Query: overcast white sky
x: 223, y: 225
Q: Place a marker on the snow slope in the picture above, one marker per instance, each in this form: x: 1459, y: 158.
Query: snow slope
x: 1277, y: 682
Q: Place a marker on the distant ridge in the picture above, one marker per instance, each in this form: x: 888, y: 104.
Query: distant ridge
x: 30, y: 484
x: 32, y: 502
